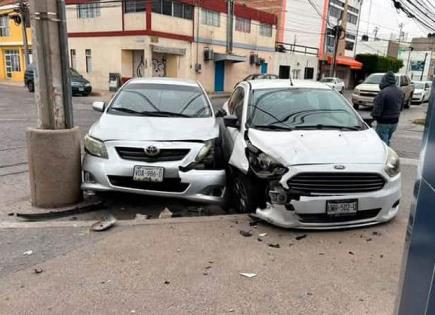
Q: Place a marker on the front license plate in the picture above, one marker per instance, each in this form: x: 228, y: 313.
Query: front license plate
x: 81, y: 89
x: 148, y: 174
x: 341, y: 207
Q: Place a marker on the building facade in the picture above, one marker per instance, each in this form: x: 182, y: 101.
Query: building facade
x: 210, y: 40
x: 12, y: 58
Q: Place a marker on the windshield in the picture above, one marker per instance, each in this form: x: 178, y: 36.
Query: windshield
x: 162, y: 100
x: 375, y: 79
x: 419, y: 85
x: 74, y: 73
x: 288, y: 109
x: 327, y: 80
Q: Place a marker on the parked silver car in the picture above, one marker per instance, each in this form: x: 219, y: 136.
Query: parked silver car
x: 156, y: 137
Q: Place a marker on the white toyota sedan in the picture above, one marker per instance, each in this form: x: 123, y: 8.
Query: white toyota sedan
x: 156, y: 137
x: 301, y: 157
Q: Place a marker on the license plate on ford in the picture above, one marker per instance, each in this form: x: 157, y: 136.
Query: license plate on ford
x: 342, y: 207
x: 148, y: 174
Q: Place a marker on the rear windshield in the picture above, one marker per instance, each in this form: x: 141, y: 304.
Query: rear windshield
x: 327, y: 80
x: 163, y: 100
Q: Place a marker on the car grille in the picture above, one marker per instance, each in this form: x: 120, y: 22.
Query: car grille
x: 169, y: 184
x: 324, y: 218
x: 335, y: 183
x: 368, y: 93
x: 138, y: 154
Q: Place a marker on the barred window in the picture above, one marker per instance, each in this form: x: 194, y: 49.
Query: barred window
x: 353, y: 19
x: 132, y: 6
x: 266, y: 30
x: 88, y: 11
x: 243, y: 25
x: 4, y: 25
x: 173, y: 8
x: 211, y: 18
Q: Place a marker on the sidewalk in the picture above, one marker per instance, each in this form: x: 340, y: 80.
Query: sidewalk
x: 11, y: 83
x: 193, y: 266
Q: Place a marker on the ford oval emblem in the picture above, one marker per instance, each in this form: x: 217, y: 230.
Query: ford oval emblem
x: 152, y: 151
x: 339, y: 167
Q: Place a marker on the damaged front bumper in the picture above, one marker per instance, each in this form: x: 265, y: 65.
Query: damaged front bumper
x: 309, y: 212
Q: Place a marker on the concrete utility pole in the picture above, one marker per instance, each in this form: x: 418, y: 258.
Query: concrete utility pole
x: 339, y: 42
x: 24, y: 13
x: 424, y: 66
x: 54, y: 147
x: 230, y: 25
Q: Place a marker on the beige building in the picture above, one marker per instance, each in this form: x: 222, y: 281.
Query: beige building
x: 135, y: 38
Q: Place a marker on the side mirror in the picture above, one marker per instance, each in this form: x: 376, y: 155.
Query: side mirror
x: 231, y: 121
x: 98, y: 106
x: 369, y: 121
x: 221, y: 113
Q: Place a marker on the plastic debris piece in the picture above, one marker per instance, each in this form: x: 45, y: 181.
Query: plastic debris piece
x: 351, y: 253
x: 248, y: 275
x: 28, y: 252
x: 300, y: 237
x: 262, y: 234
x: 104, y: 224
x: 167, y: 282
x: 259, y: 239
x: 165, y: 214
x: 246, y: 233
x: 369, y: 239
x: 274, y: 245
x: 38, y: 270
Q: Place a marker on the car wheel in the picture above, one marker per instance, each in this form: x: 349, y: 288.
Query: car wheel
x: 31, y: 86
x: 356, y: 106
x: 244, y: 194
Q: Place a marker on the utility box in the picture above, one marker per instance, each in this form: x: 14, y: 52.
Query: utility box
x: 114, y: 81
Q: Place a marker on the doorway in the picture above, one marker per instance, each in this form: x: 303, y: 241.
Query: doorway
x: 264, y: 67
x: 284, y: 72
x: 219, y: 76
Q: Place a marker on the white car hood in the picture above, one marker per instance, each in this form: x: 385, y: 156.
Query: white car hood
x: 137, y: 128
x: 369, y: 87
x: 320, y: 147
x: 418, y: 91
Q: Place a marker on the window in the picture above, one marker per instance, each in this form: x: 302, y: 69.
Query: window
x: 88, y: 11
x: 335, y: 12
x: 350, y: 36
x: 243, y: 25
x: 353, y: 19
x: 12, y: 62
x: 330, y: 41
x: 337, y: 2
x: 4, y: 25
x: 132, y: 6
x: 235, y: 104
x: 266, y: 30
x: 211, y: 18
x: 88, y: 56
x: 309, y: 73
x: 73, y: 58
x: 173, y: 8
x: 349, y: 45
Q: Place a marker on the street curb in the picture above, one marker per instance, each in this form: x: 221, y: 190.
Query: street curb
x: 136, y: 222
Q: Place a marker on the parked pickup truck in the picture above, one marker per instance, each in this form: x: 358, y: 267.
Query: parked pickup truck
x: 365, y: 93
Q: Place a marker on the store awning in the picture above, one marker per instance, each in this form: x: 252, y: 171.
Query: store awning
x: 169, y: 50
x: 346, y: 61
x: 228, y: 57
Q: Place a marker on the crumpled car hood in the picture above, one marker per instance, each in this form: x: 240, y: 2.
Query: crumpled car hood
x: 137, y: 128
x: 320, y: 147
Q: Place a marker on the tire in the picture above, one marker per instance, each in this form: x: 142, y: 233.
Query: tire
x: 31, y: 86
x: 356, y: 106
x: 244, y: 194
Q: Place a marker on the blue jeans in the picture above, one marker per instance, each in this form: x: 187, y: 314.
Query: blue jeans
x: 385, y: 132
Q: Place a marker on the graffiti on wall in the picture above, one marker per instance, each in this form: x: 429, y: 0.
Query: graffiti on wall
x: 159, y: 65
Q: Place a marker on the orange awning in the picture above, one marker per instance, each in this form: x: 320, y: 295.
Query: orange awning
x: 347, y: 61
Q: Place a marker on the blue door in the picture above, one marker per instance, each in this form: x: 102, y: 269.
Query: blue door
x: 264, y: 68
x: 219, y: 76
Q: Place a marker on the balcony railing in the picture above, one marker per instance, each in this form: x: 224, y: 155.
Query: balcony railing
x: 287, y: 47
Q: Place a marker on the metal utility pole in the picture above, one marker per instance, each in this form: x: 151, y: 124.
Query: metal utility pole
x: 54, y: 146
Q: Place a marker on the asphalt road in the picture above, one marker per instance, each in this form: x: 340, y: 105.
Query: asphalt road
x: 17, y: 112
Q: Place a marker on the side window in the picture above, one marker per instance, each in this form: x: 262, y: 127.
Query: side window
x: 231, y: 102
x: 235, y: 104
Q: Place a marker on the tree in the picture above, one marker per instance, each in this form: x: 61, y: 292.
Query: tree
x: 375, y: 63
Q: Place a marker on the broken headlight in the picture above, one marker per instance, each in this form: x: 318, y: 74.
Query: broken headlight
x: 95, y: 147
x: 392, y: 164
x: 262, y: 164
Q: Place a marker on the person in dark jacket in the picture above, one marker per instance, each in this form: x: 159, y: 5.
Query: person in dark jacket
x: 387, y: 107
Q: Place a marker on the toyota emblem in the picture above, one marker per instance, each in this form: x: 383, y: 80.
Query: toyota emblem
x: 339, y: 167
x: 152, y: 151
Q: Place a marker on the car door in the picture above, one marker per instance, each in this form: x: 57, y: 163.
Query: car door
x: 233, y: 108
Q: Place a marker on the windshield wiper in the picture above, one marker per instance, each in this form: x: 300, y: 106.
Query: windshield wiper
x: 272, y: 127
x: 149, y: 113
x: 321, y: 126
x: 126, y: 110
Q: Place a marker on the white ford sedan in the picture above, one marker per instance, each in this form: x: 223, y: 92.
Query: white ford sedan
x: 156, y: 137
x: 301, y: 157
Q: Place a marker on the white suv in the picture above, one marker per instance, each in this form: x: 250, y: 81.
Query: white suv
x: 364, y: 94
x: 301, y: 157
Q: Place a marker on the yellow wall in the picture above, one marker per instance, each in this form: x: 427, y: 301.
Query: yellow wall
x: 13, y: 42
